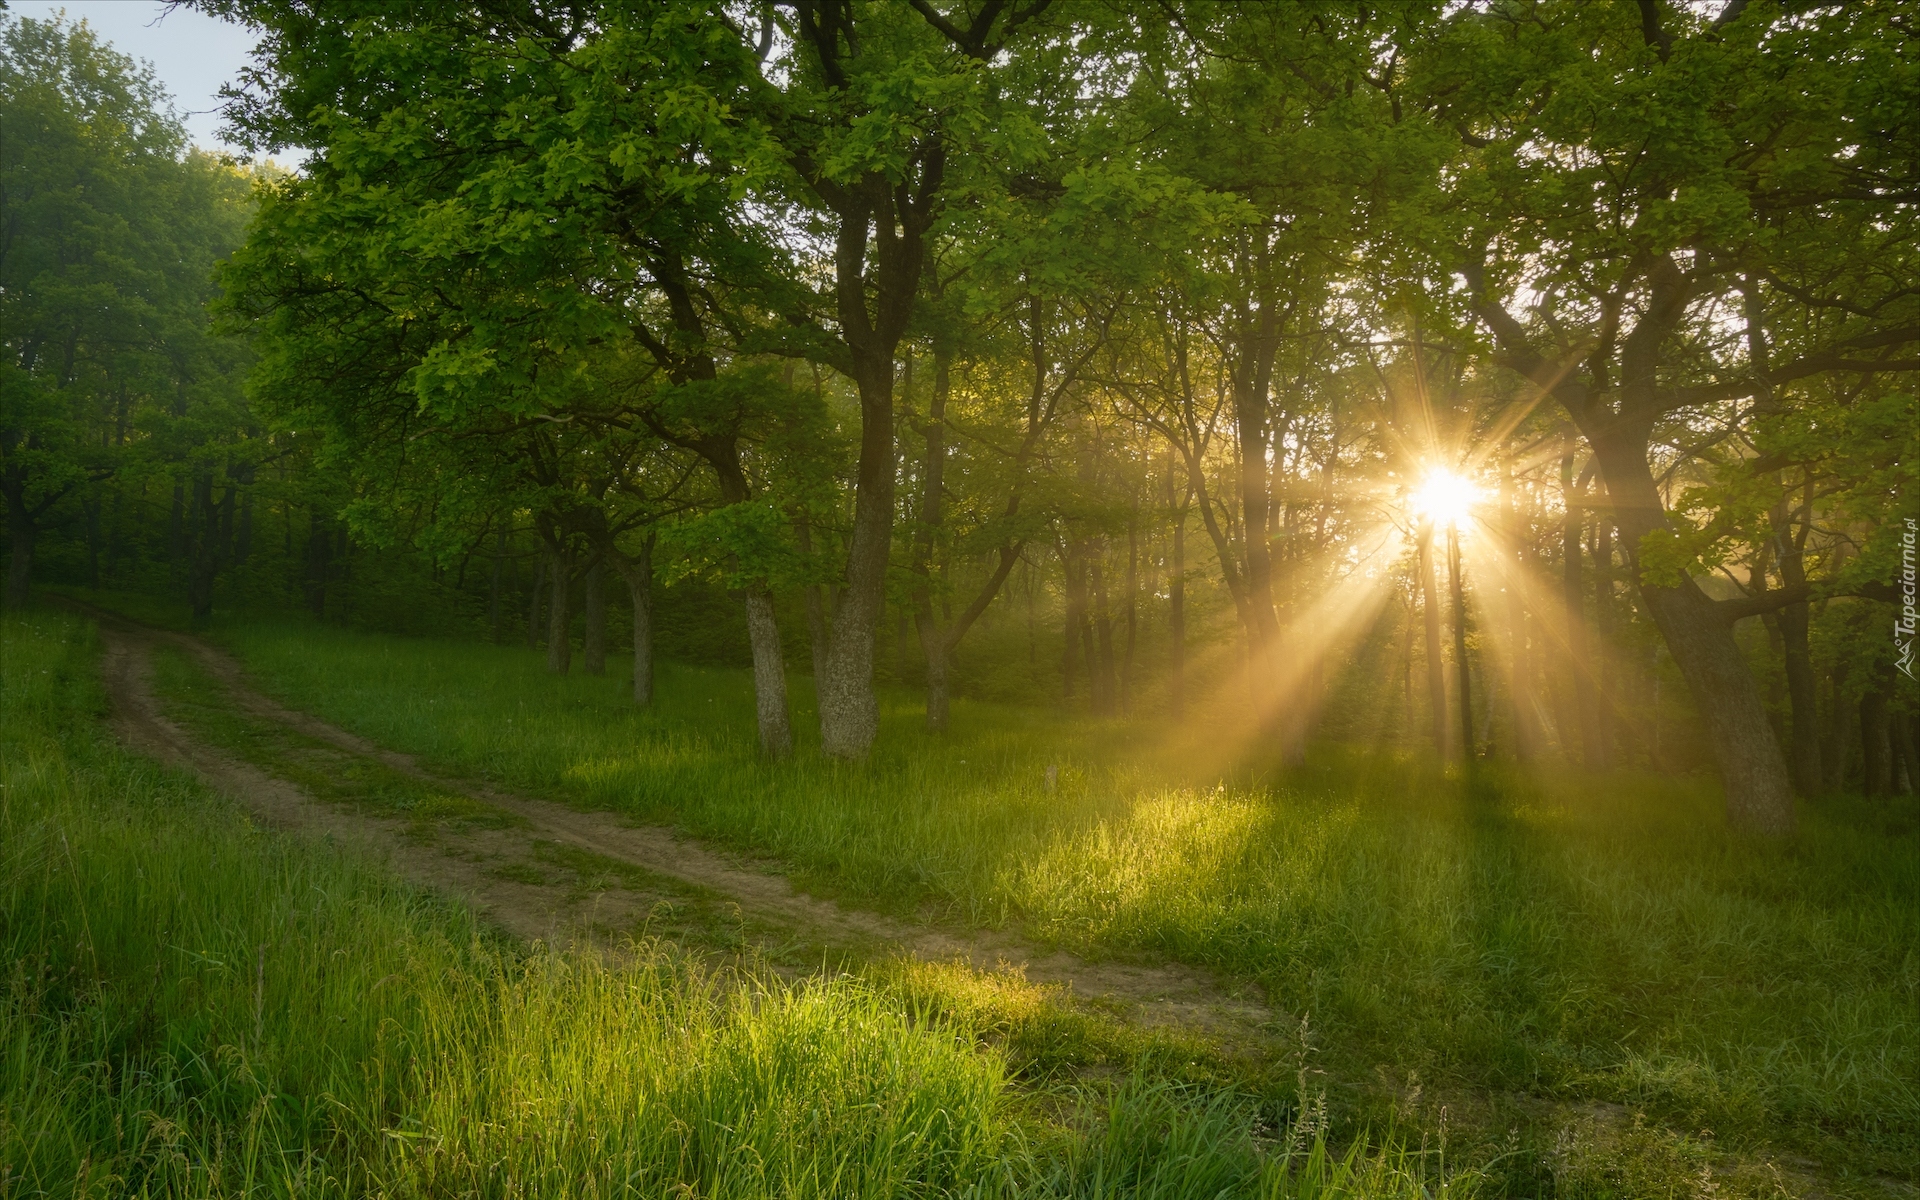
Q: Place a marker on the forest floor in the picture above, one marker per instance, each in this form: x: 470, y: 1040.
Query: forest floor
x: 584, y: 874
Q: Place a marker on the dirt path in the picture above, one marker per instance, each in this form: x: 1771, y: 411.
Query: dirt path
x: 558, y: 873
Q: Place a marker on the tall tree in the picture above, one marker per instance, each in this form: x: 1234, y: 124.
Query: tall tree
x: 1626, y: 168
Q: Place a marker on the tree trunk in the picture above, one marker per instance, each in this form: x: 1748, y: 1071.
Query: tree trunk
x: 1526, y: 734
x: 1906, y: 771
x: 638, y: 572
x: 1839, y: 730
x: 1076, y: 615
x: 243, y: 530
x: 177, y: 525
x: 559, y: 612
x: 933, y: 638
x: 1106, y: 687
x: 533, y: 606
x: 1758, y: 795
x: 1605, y: 716
x: 849, y: 712
x: 769, y: 674
x: 494, y: 611
x: 1436, y: 664
x: 319, y: 559
x: 873, y: 214
x: 593, y: 648
x: 1618, y: 424
x: 1754, y: 773
x: 1573, y: 591
x: 1256, y: 343
x: 1796, y: 654
x: 1468, y: 750
x: 1177, y: 612
x: 939, y: 690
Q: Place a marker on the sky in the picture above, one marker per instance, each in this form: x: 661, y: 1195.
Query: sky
x: 193, y: 55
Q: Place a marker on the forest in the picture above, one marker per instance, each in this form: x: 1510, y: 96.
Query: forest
x: 1031, y: 598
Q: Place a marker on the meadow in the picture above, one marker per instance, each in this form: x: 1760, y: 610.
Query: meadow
x: 194, y: 1007
x: 1499, y: 941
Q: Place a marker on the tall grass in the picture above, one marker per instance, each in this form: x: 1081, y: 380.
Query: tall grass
x: 195, y: 1008
x: 1602, y: 939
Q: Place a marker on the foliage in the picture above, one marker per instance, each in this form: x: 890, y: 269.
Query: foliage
x: 113, y: 227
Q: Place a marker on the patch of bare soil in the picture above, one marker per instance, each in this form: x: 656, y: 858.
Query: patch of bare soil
x: 564, y: 874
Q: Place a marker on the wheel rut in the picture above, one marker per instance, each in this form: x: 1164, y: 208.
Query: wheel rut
x: 551, y: 872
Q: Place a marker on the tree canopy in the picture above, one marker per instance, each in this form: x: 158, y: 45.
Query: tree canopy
x: 1562, y: 347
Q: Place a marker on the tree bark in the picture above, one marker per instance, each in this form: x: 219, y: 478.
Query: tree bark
x: 593, y: 647
x: 1838, y: 733
x: 559, y: 612
x: 763, y: 631
x: 849, y: 711
x: 769, y: 674
x: 637, y: 570
x: 243, y: 527
x: 1252, y: 427
x: 212, y: 541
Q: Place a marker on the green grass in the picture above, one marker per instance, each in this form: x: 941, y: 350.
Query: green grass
x: 193, y: 1007
x: 196, y: 700
x: 1576, y: 941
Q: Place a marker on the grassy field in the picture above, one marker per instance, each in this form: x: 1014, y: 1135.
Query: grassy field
x: 196, y: 1008
x: 1593, y: 942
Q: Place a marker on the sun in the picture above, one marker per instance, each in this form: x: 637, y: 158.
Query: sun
x: 1444, y: 498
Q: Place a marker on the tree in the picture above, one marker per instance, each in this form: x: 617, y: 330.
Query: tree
x: 1627, y: 169
x: 111, y: 231
x: 881, y: 108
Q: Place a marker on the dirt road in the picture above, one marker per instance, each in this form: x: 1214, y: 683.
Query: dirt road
x: 548, y: 871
